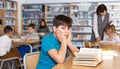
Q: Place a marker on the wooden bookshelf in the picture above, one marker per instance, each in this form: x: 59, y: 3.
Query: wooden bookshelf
x: 82, y: 15
x: 32, y: 13
x: 54, y: 9
x: 9, y: 15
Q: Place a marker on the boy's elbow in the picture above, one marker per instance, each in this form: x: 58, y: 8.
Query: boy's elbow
x: 60, y: 61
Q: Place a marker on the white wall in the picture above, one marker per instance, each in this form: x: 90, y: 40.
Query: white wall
x: 62, y: 1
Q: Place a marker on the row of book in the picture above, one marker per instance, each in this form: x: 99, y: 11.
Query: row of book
x: 78, y: 43
x: 77, y: 7
x: 82, y: 29
x: 10, y: 14
x: 10, y: 22
x: 32, y: 15
x: 82, y: 14
x: 58, y: 9
x: 10, y: 5
x: 113, y: 7
x: 115, y: 14
x: 82, y: 22
x: 1, y: 4
x: 81, y: 36
x: 37, y: 6
x: 28, y: 21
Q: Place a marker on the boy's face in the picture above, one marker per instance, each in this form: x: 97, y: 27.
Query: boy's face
x: 10, y: 34
x: 66, y: 31
x: 30, y: 30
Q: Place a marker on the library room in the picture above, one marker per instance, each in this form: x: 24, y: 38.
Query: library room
x: 59, y: 34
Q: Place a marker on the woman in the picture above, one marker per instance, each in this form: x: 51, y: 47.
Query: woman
x: 101, y: 19
x: 43, y: 27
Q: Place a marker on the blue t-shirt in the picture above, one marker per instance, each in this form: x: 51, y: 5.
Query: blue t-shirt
x: 48, y: 42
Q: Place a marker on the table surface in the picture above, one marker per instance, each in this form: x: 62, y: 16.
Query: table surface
x: 106, y: 64
x: 13, y: 53
x: 18, y: 43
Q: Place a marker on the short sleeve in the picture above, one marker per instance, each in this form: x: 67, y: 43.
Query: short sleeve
x: 47, y: 44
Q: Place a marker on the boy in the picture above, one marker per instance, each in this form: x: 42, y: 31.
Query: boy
x: 31, y: 35
x: 5, y: 41
x: 31, y: 32
x: 57, y: 43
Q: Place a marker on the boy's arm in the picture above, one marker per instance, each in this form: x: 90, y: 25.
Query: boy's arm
x: 58, y: 56
x: 71, y: 47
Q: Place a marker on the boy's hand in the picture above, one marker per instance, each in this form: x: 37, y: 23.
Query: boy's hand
x: 69, y: 36
x: 60, y: 35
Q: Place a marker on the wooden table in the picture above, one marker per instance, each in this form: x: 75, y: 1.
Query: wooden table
x: 24, y: 42
x: 106, y: 64
x: 12, y: 55
x: 109, y: 45
x: 18, y: 43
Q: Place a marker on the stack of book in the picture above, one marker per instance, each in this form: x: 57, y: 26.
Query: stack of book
x: 88, y: 57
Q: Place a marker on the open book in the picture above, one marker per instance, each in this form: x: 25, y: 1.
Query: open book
x: 88, y: 57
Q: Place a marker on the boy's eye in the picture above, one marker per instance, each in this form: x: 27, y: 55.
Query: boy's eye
x: 63, y: 28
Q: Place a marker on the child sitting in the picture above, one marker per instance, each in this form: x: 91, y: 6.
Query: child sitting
x: 31, y: 35
x: 5, y: 41
x: 110, y: 34
x: 57, y: 43
x: 43, y: 28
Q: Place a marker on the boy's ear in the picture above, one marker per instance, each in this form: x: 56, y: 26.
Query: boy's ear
x: 54, y: 29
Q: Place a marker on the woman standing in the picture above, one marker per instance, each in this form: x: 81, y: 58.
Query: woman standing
x: 101, y: 19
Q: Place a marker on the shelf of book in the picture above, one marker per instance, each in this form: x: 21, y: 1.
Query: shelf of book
x: 54, y: 9
x: 82, y: 22
x: 9, y: 14
x: 32, y: 13
x: 81, y: 13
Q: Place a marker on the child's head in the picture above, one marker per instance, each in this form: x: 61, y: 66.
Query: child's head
x: 8, y: 30
x: 110, y: 29
x: 101, y: 10
x: 42, y: 23
x: 31, y: 28
x: 63, y: 23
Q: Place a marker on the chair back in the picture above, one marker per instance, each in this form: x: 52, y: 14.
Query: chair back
x: 31, y: 60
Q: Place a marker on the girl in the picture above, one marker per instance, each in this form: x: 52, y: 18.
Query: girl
x: 110, y: 34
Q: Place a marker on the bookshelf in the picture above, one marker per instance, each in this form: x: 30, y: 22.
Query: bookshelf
x: 32, y: 13
x: 8, y: 15
x: 82, y: 22
x: 81, y: 13
x: 53, y: 9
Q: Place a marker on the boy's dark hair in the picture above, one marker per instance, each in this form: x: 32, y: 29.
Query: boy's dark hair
x: 32, y: 25
x: 62, y: 20
x: 101, y: 8
x: 8, y: 29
